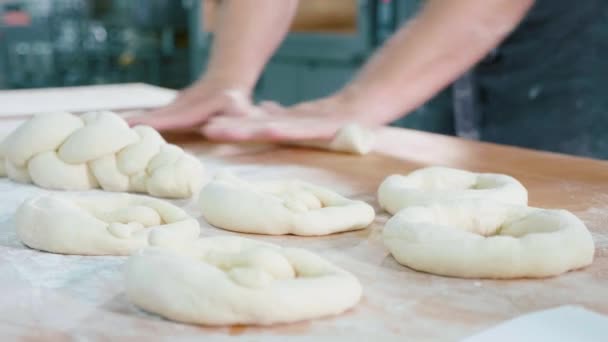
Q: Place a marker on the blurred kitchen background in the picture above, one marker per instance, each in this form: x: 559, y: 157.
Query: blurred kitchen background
x: 74, y: 42
x: 55, y: 43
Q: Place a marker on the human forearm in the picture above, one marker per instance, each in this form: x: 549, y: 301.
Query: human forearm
x: 446, y: 39
x: 248, y: 33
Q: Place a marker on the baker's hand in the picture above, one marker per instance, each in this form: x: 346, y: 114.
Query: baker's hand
x: 319, y: 119
x: 196, y: 105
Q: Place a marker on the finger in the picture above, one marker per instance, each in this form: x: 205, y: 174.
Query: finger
x: 243, y: 110
x: 271, y: 107
x: 185, y: 98
x: 185, y: 116
x: 147, y: 117
x: 268, y: 130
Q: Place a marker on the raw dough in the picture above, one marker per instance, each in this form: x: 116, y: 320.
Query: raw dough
x: 433, y: 184
x: 351, y: 138
x: 106, y: 224
x: 485, y: 239
x: 67, y: 152
x: 231, y: 280
x: 280, y: 207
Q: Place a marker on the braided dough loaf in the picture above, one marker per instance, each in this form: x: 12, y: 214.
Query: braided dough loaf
x: 232, y: 280
x: 486, y: 239
x: 434, y: 184
x: 108, y: 224
x: 66, y: 152
x: 280, y: 207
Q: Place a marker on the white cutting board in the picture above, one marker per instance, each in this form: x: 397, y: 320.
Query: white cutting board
x: 561, y: 324
x: 26, y: 102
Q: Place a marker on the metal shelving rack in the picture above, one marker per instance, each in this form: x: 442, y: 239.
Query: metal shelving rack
x: 75, y: 42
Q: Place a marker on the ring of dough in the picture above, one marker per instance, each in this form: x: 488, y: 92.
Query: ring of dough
x: 230, y: 280
x: 63, y: 151
x: 280, y: 207
x: 433, y: 184
x: 481, y: 239
x: 109, y: 224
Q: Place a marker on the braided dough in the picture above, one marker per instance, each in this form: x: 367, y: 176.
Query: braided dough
x: 109, y: 224
x: 231, y: 280
x: 485, y: 239
x: 280, y: 207
x: 433, y: 184
x: 66, y: 152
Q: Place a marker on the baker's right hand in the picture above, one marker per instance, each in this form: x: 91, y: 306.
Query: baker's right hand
x: 195, y: 105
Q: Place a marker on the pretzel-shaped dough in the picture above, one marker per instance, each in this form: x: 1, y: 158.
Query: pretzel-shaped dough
x: 435, y: 184
x: 107, y: 224
x: 280, y: 207
x: 232, y: 280
x: 486, y: 239
x: 67, y: 152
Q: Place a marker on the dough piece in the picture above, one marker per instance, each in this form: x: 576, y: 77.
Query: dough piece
x: 231, y: 280
x: 108, y: 224
x: 485, y: 239
x: 433, y: 184
x: 66, y: 152
x: 351, y: 138
x: 280, y: 207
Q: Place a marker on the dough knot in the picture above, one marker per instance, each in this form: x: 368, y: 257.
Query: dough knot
x: 435, y: 184
x: 108, y: 224
x: 280, y: 207
x: 254, y: 267
x: 231, y: 280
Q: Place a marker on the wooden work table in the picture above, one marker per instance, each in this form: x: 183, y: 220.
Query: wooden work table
x: 54, y: 296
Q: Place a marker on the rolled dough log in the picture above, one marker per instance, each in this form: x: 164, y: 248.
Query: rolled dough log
x: 280, y: 207
x: 434, y: 184
x: 108, y: 224
x: 232, y: 280
x: 484, y: 239
x: 98, y: 149
x: 351, y: 138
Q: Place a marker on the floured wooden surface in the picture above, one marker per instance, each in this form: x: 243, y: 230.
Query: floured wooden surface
x: 55, y: 297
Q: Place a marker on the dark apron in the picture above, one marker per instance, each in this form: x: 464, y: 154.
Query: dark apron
x: 545, y: 87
